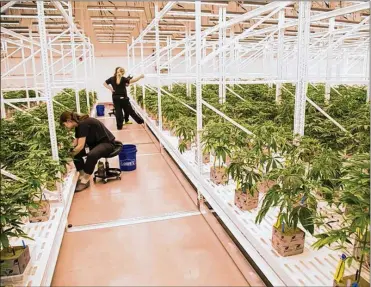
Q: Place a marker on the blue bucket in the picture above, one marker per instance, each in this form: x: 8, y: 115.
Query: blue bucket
x: 128, y: 157
x: 100, y: 110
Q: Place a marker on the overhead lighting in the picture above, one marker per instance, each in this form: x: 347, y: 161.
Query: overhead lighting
x: 115, y: 25
x: 117, y: 34
x: 178, y: 19
x: 30, y: 7
x: 24, y: 16
x: 112, y: 31
x: 7, y: 22
x: 203, y: 2
x: 114, y: 18
x: 167, y: 32
x: 171, y: 25
x: 115, y: 8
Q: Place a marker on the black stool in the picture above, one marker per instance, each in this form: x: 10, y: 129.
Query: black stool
x: 112, y: 112
x: 109, y: 173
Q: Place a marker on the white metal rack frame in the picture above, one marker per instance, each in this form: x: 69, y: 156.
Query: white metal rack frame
x: 327, y: 55
x: 48, y: 53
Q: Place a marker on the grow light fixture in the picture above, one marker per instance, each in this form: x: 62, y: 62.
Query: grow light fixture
x: 115, y: 8
x: 114, y: 25
x: 217, y: 3
x: 113, y: 18
x: 178, y: 19
x: 30, y: 7
x: 7, y: 22
x: 30, y: 16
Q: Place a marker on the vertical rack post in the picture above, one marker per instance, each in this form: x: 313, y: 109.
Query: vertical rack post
x: 329, y: 59
x: 198, y: 91
x: 3, y: 111
x: 47, y: 87
x: 25, y: 74
x: 74, y: 66
x: 142, y: 69
x: 302, y: 67
x: 222, y: 55
x: 84, y: 57
x: 158, y: 66
x: 188, y: 59
x: 133, y: 47
x: 34, y: 67
x: 281, y: 35
x: 170, y: 56
x: 51, y: 64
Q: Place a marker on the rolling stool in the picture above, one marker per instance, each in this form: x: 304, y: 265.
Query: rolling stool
x: 106, y: 172
x: 112, y: 112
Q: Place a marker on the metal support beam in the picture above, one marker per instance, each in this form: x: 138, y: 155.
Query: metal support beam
x: 280, y: 51
x: 157, y: 31
x: 46, y: 74
x: 73, y: 50
x: 329, y: 59
x: 302, y: 67
x: 198, y: 85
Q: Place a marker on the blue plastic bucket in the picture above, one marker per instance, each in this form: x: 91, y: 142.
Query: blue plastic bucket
x: 128, y: 157
x: 100, y: 110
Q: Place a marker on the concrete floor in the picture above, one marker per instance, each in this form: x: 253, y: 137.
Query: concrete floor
x: 189, y: 250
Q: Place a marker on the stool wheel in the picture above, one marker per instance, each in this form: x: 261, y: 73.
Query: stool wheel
x: 105, y: 180
x: 95, y: 179
x: 119, y: 177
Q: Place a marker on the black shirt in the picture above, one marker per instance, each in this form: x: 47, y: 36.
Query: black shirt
x: 94, y: 131
x: 119, y: 89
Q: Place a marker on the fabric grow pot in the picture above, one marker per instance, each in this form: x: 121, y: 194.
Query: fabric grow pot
x: 128, y: 157
x: 100, y: 110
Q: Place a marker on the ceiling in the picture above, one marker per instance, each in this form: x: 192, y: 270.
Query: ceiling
x: 111, y: 25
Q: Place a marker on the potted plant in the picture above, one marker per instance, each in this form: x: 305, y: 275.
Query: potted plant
x: 354, y: 229
x: 243, y: 171
x: 186, y: 131
x: 292, y: 195
x: 15, y: 199
x: 214, y: 138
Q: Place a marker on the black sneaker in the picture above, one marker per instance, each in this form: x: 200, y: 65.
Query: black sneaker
x: 81, y: 186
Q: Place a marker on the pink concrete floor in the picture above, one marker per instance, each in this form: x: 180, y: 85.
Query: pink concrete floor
x: 188, y: 251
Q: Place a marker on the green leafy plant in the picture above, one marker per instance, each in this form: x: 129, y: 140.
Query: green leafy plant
x: 354, y: 228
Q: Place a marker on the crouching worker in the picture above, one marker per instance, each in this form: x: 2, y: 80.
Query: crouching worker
x: 92, y: 139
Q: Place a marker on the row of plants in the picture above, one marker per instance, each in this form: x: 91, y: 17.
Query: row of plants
x: 25, y: 151
x: 294, y: 177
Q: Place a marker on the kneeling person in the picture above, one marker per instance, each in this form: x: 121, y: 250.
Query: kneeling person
x: 92, y: 139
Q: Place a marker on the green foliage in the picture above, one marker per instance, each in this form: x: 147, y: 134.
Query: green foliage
x: 25, y: 151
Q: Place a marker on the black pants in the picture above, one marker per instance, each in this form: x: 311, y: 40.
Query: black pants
x: 99, y: 151
x: 124, y: 105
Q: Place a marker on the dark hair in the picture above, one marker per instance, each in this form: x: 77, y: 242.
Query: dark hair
x: 71, y: 116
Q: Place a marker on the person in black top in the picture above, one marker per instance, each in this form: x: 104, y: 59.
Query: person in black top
x: 92, y: 139
x: 117, y: 85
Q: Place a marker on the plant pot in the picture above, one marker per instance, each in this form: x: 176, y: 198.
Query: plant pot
x: 362, y: 283
x: 165, y: 126
x: 289, y: 243
x: 265, y: 185
x: 205, y: 157
x: 246, y: 201
x: 14, y: 264
x: 172, y: 132
x: 187, y: 143
x: 40, y: 214
x: 218, y: 175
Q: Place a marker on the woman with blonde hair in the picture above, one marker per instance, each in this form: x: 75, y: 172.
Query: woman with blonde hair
x: 117, y: 85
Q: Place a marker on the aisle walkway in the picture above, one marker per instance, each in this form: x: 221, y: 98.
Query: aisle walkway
x: 146, y: 230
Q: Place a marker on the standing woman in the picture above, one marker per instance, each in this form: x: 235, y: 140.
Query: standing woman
x: 92, y: 139
x: 117, y: 85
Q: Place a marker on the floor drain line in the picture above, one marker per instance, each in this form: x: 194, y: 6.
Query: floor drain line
x: 132, y: 221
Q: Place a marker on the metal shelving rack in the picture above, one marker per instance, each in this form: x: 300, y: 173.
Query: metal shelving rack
x: 224, y: 57
x: 49, y: 54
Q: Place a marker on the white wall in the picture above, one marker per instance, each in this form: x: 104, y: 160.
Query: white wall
x: 105, y: 66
